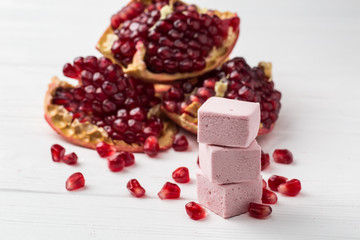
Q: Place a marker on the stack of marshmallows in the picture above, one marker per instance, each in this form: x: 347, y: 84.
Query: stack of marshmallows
x: 229, y: 156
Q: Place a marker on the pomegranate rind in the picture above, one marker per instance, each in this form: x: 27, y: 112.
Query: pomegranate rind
x: 138, y: 67
x: 189, y: 123
x: 87, y: 134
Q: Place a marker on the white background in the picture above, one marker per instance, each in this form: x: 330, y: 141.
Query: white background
x: 314, y: 47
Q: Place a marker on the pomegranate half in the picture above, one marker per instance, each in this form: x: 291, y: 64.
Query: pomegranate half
x: 163, y: 41
x: 235, y: 79
x: 106, y: 106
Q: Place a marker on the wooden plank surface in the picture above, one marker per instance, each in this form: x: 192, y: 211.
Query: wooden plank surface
x: 314, y: 47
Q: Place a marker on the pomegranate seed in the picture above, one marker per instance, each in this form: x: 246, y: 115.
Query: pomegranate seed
x: 259, y: 211
x: 195, y: 211
x: 116, y: 163
x: 180, y: 144
x: 290, y: 188
x: 264, y: 183
x: 70, y: 159
x: 105, y: 150
x: 135, y: 188
x: 274, y: 182
x: 268, y: 197
x: 127, y: 157
x: 151, y: 146
x: 181, y: 175
x: 69, y: 71
x: 75, y: 181
x: 265, y: 160
x: 57, y: 152
x: 169, y: 191
x: 283, y: 156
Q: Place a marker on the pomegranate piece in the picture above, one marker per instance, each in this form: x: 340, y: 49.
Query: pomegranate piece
x: 180, y: 143
x: 57, y: 152
x: 265, y: 160
x: 105, y: 150
x: 116, y: 163
x: 169, y: 191
x: 274, y: 182
x: 283, y: 156
x: 75, y: 181
x: 151, y: 146
x: 70, y: 158
x: 290, y: 188
x: 259, y: 211
x: 127, y: 157
x: 135, y: 188
x: 268, y: 197
x: 195, y: 211
x: 181, y: 175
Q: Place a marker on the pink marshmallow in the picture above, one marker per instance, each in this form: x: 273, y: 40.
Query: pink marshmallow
x: 230, y: 199
x: 228, y: 122
x: 222, y: 165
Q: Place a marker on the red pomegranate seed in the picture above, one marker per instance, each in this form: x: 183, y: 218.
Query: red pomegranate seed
x: 290, y: 188
x: 105, y: 150
x: 135, y: 188
x: 127, y: 157
x: 259, y: 211
x: 283, y: 156
x: 268, y: 197
x: 195, y: 211
x: 265, y: 160
x: 151, y: 146
x: 274, y: 182
x: 180, y: 143
x: 57, y: 152
x: 169, y: 191
x: 181, y: 175
x: 69, y: 71
x: 264, y: 183
x: 75, y: 181
x: 70, y: 158
x: 116, y: 163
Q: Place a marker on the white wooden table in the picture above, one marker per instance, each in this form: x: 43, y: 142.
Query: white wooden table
x: 315, y: 48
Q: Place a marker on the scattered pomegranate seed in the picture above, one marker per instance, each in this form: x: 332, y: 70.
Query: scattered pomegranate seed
x: 116, y: 163
x: 105, y: 150
x: 264, y: 183
x: 57, y: 152
x: 274, y: 182
x: 268, y: 197
x: 135, y: 188
x: 181, y: 175
x: 180, y: 143
x: 169, y: 191
x: 265, y: 160
x: 195, y: 211
x: 151, y: 146
x: 70, y: 158
x: 259, y: 211
x: 290, y: 188
x: 283, y: 156
x: 75, y: 181
x: 127, y: 157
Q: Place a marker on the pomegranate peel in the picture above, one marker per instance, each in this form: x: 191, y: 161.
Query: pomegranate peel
x: 88, y: 135
x: 138, y: 66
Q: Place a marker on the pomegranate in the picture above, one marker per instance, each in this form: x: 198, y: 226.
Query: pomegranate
x: 151, y: 146
x: 57, y: 152
x: 70, y: 158
x: 169, y: 191
x: 283, y: 156
x: 265, y: 160
x: 106, y: 106
x: 164, y: 41
x: 116, y: 163
x: 127, y: 157
x: 75, y: 181
x: 195, y: 211
x: 235, y: 79
x: 105, y: 150
x: 290, y: 188
x: 181, y: 175
x: 135, y: 188
x: 259, y: 211
x: 274, y: 182
x: 268, y: 197
x: 180, y: 143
